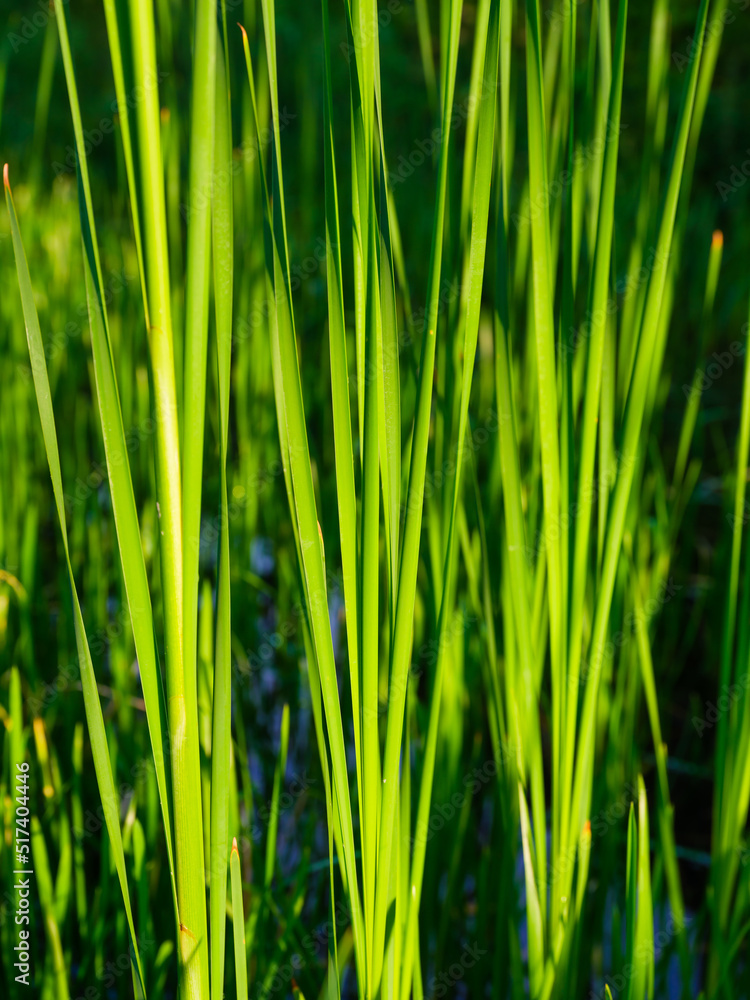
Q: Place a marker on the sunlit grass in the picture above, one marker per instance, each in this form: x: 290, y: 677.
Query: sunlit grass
x: 472, y: 516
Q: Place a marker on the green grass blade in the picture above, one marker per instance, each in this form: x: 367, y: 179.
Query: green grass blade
x: 342, y: 429
x: 293, y: 433
x: 407, y: 581
x: 238, y: 923
x: 631, y: 443
x: 97, y: 734
x: 115, y: 48
x: 223, y: 274
x: 544, y: 328
x: 118, y: 465
x: 599, y: 313
x: 694, y: 392
x: 278, y: 779
x: 202, y: 181
x: 480, y: 214
x: 189, y: 852
x: 534, y: 920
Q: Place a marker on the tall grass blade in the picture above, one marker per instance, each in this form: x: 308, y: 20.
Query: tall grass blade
x: 97, y: 734
x: 221, y: 735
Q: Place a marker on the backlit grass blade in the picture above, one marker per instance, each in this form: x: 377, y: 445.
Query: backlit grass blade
x: 389, y: 351
x: 118, y: 464
x: 642, y: 982
x: 422, y: 12
x: 480, y: 214
x: 407, y: 580
x: 115, y: 49
x: 534, y: 920
x: 202, y: 181
x: 544, y: 329
x: 664, y: 805
x: 293, y: 432
x: 238, y: 924
x: 598, y: 312
x: 278, y: 778
x: 370, y: 566
x: 374, y: 452
x: 331, y: 987
x: 732, y: 784
x: 694, y: 391
x: 631, y: 444
x: 183, y: 725
x: 221, y: 733
x: 730, y: 618
x: 342, y: 429
x: 97, y: 734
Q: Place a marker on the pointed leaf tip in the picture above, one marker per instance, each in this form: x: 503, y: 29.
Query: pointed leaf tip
x: 6, y: 180
x: 717, y: 240
x: 244, y: 33
x: 234, y: 844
